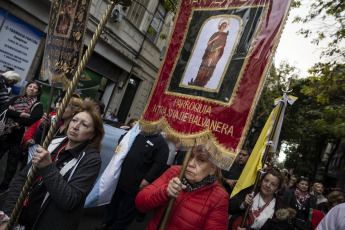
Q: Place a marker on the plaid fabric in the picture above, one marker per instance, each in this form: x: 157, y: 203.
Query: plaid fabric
x: 190, y: 187
x: 23, y: 104
x: 300, y: 198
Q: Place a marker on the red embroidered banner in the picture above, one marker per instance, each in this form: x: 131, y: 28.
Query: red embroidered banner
x: 213, y: 73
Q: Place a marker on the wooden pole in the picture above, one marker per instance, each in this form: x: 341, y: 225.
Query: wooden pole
x: 267, y: 151
x: 172, y: 200
x: 48, y: 111
x: 71, y: 88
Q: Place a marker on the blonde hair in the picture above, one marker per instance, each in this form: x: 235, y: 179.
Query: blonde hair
x: 314, y: 186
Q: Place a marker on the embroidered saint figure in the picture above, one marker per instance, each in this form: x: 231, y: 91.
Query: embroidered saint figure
x: 213, y: 52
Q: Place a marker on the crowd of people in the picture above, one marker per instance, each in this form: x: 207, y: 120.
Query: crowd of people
x: 69, y: 167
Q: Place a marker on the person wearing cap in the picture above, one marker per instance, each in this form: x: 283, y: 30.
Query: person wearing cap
x: 7, y: 80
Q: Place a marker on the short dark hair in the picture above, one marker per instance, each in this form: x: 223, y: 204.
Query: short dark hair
x: 302, y: 178
x: 247, y: 149
x: 131, y: 121
x: 101, y: 106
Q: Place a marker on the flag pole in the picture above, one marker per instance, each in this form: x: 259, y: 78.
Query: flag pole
x: 172, y: 200
x: 267, y: 150
x: 18, y: 207
x: 48, y: 111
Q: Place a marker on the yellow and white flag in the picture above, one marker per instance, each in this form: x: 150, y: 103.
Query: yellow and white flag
x: 254, y: 163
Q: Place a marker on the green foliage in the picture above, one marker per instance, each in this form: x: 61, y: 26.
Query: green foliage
x: 150, y: 30
x: 163, y: 36
x: 328, y: 87
x: 330, y: 15
x: 327, y: 82
x: 275, y: 82
x: 308, y: 125
x: 300, y: 132
x: 170, y: 5
x: 318, y: 116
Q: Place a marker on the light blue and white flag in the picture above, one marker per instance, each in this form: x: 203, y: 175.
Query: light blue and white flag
x: 105, y: 186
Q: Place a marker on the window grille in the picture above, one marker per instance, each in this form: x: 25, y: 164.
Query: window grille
x: 156, y: 24
x: 137, y: 12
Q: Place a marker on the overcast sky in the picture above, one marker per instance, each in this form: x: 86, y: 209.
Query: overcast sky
x: 294, y: 48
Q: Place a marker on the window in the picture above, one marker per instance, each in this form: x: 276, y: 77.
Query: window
x: 137, y: 11
x: 156, y: 24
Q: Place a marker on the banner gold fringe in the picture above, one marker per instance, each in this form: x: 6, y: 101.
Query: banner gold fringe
x: 220, y: 156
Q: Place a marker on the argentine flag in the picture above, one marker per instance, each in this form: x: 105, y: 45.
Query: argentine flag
x: 105, y: 186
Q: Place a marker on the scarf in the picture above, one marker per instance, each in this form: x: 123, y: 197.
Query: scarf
x: 300, y: 198
x: 258, y: 215
x: 21, y: 105
x: 191, y: 187
x: 266, y: 213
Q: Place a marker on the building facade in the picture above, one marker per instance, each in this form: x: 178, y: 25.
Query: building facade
x: 126, y: 59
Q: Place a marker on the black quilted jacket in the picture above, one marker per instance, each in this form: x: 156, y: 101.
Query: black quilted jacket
x: 63, y: 209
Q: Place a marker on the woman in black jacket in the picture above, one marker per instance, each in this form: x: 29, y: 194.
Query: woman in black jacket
x: 300, y: 200
x: 66, y: 174
x: 267, y: 211
x: 21, y: 112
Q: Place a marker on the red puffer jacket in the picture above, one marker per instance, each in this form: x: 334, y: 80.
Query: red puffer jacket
x: 203, y: 208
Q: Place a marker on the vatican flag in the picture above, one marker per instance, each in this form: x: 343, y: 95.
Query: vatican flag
x: 254, y: 163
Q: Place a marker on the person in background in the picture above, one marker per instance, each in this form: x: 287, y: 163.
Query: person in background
x: 267, y: 210
x: 33, y: 135
x: 22, y: 111
x: 334, y: 198
x: 144, y: 163
x: 300, y: 200
x: 201, y: 202
x: 112, y: 117
x: 291, y: 183
x: 131, y: 123
x: 7, y: 80
x: 101, y: 106
x: 66, y: 174
x: 230, y: 177
x: 317, y: 190
x: 98, y: 105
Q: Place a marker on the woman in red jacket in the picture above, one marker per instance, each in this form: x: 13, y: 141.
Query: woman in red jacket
x: 201, y: 202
